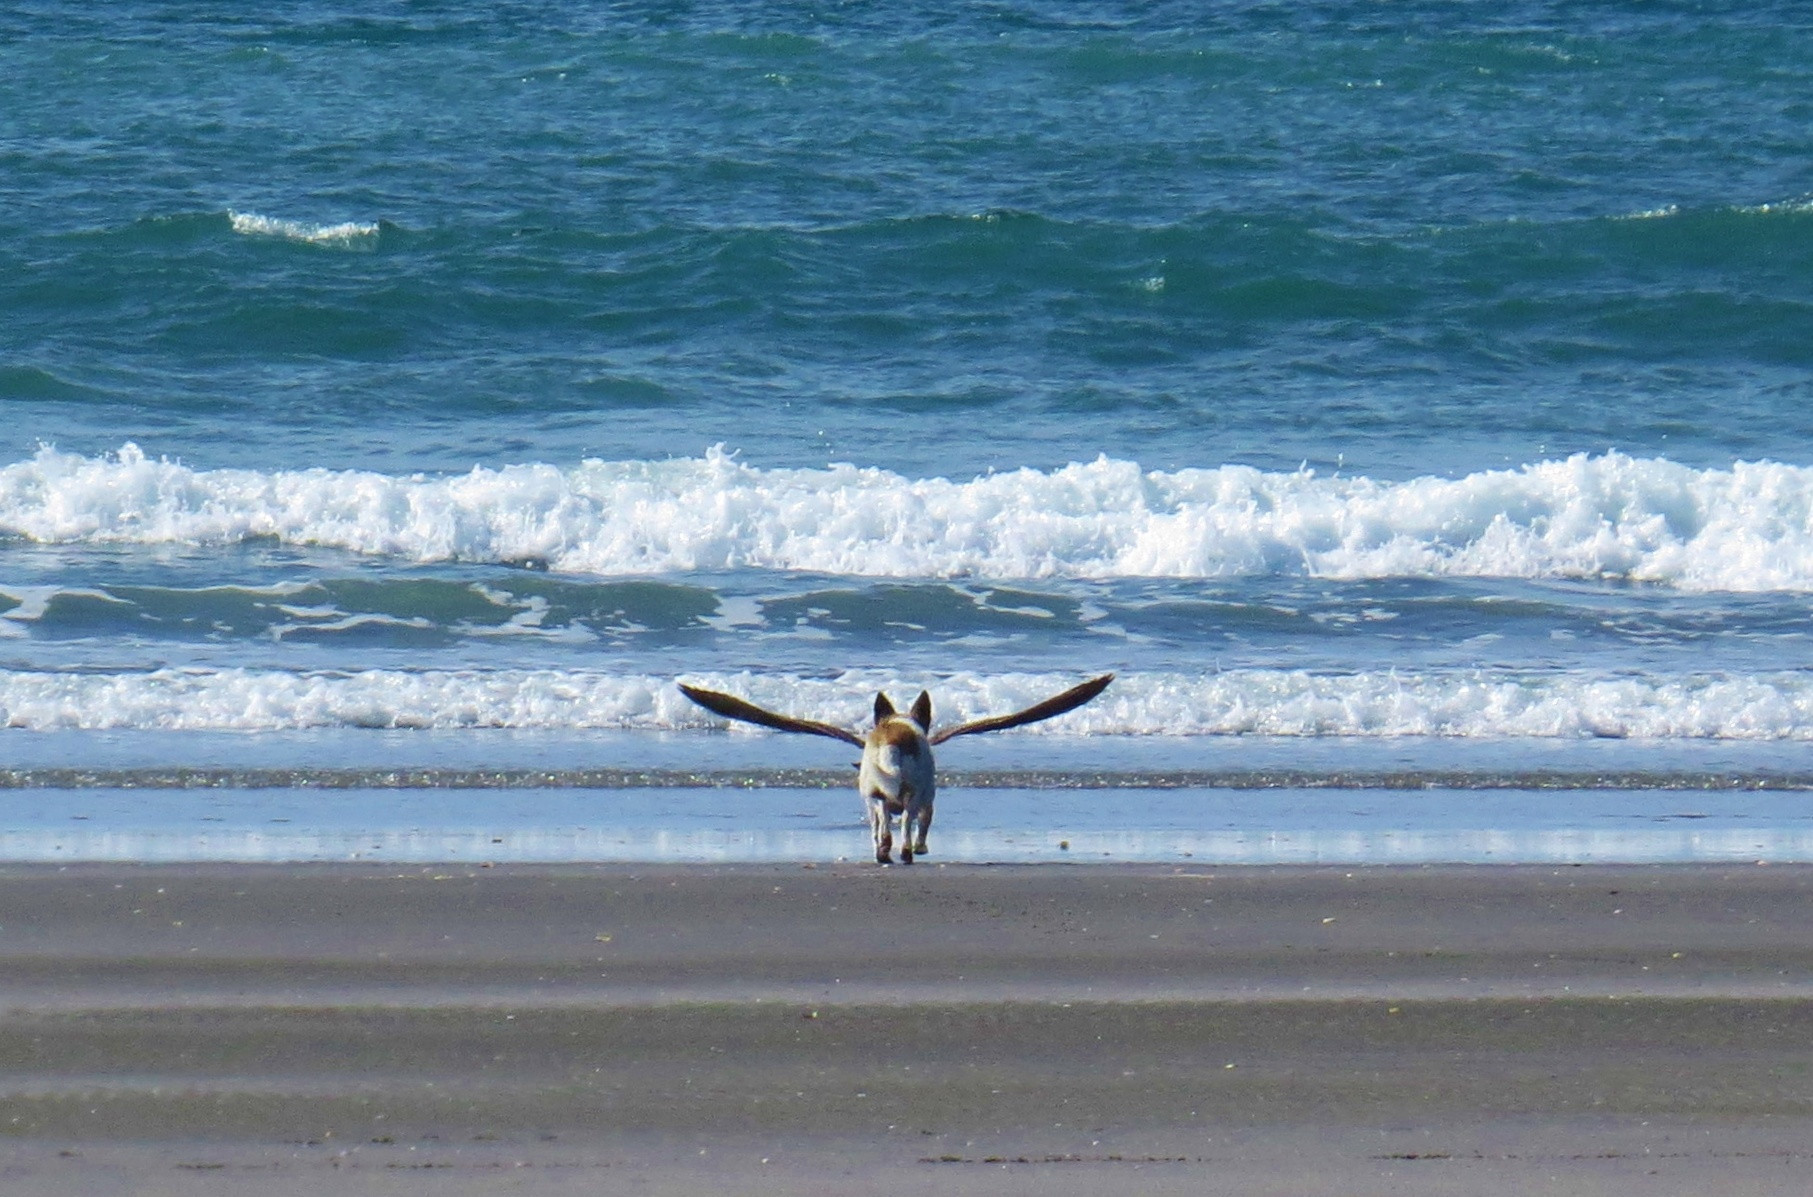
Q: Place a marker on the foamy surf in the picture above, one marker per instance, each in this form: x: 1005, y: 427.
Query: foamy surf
x: 1248, y: 702
x: 344, y: 234
x: 1610, y: 517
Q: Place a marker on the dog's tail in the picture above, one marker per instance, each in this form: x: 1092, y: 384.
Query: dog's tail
x: 887, y: 760
x: 884, y: 778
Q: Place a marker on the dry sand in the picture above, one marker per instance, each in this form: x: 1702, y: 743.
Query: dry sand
x: 851, y: 1029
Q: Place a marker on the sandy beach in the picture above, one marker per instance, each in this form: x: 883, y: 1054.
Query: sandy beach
x: 851, y: 1029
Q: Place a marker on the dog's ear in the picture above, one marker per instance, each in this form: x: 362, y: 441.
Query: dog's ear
x: 922, y: 711
x: 883, y: 708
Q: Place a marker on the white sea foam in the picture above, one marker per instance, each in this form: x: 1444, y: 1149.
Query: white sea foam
x: 1746, y: 528
x: 251, y: 224
x: 1799, y: 206
x: 1751, y: 707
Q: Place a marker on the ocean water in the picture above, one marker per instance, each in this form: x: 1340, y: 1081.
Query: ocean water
x: 1410, y: 395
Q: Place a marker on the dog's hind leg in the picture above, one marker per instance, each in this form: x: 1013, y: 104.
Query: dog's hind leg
x: 879, y: 821
x: 912, y: 831
x: 914, y: 820
x: 917, y: 839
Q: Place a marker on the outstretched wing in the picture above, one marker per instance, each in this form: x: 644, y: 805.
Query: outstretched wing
x: 732, y: 707
x: 1069, y: 700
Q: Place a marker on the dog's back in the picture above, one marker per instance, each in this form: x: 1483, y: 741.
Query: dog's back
x: 897, y: 764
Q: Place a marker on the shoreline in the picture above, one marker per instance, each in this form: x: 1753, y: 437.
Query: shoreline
x: 775, y: 826
x: 356, y: 1028
x: 187, y: 777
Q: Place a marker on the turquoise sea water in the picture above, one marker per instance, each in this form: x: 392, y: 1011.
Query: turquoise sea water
x: 1364, y: 384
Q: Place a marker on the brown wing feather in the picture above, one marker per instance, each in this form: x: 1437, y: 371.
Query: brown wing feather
x: 732, y: 707
x: 1069, y: 700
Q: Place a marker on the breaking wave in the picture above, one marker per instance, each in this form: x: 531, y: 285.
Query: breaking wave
x: 346, y: 233
x: 1609, y: 517
x: 1472, y: 704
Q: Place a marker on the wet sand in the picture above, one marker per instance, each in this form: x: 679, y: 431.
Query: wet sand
x: 851, y: 1029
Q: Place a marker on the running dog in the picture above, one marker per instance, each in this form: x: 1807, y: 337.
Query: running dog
x: 895, y: 777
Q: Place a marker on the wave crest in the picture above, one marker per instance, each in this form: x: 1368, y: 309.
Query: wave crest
x: 344, y: 234
x: 1746, y: 528
x: 1460, y: 705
